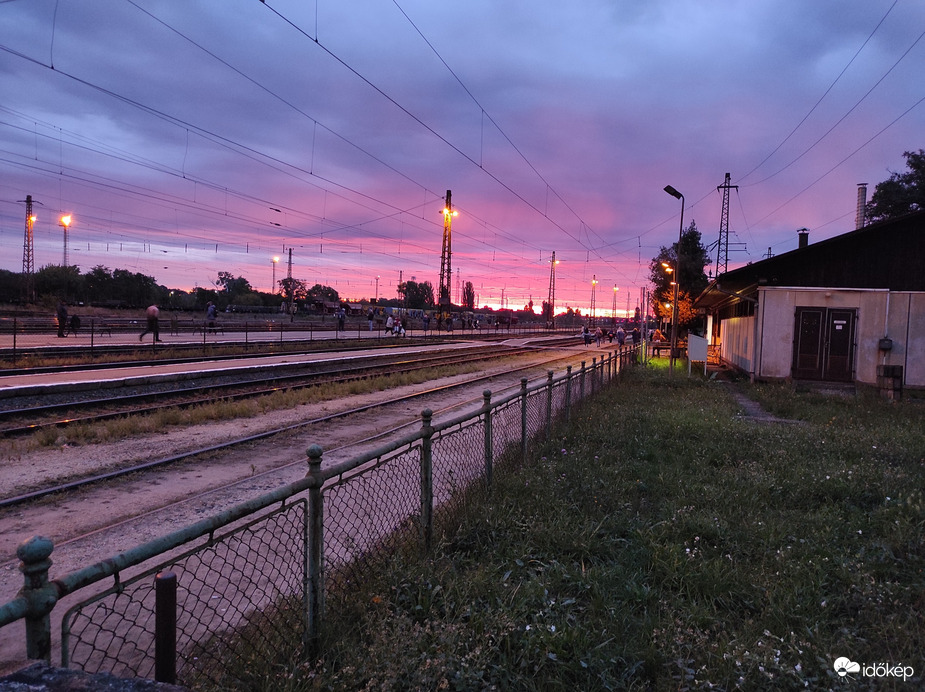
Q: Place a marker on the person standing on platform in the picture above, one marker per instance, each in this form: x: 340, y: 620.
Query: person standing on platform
x: 62, y: 318
x: 152, y: 314
x: 211, y: 314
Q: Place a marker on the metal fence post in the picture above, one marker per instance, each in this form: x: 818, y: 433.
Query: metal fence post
x: 581, y: 379
x: 427, y: 479
x: 489, y: 449
x: 314, y: 553
x: 40, y: 595
x: 165, y: 627
x: 593, y: 375
x: 568, y: 391
x: 523, y: 418
x: 548, y: 403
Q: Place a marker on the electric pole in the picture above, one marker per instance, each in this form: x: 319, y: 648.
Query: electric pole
x: 28, y: 258
x: 446, y: 271
x: 551, y: 304
x: 722, y: 248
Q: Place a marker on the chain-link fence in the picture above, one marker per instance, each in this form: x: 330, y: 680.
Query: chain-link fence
x: 261, y: 572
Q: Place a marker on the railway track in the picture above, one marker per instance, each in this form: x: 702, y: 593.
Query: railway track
x: 76, y: 484
x: 34, y: 417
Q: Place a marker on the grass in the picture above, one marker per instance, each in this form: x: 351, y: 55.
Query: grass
x: 661, y: 544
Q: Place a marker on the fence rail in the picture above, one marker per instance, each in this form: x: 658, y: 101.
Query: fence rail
x: 267, y: 565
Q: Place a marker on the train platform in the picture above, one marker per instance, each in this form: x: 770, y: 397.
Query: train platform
x: 24, y: 383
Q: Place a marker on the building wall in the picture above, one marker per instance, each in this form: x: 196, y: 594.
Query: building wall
x: 737, y: 339
x: 906, y: 327
x: 900, y: 315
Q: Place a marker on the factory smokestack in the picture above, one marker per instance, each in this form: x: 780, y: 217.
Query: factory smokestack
x: 860, y: 217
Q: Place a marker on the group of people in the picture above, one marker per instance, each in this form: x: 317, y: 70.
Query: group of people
x: 620, y: 335
x: 394, y: 326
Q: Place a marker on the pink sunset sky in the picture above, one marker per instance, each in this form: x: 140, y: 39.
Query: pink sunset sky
x: 192, y: 138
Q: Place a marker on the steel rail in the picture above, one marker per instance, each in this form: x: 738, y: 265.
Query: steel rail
x: 281, y: 382
x: 159, y: 463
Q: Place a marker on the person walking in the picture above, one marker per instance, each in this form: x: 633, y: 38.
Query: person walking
x: 153, y: 326
x: 61, y: 313
x: 621, y: 336
x: 369, y: 318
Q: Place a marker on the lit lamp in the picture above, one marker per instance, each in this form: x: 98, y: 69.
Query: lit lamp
x: 614, y: 311
x: 65, y: 224
x: 274, y: 262
x: 677, y: 278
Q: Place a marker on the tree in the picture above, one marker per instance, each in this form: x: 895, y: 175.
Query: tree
x: 901, y: 193
x: 324, y: 293
x: 234, y: 287
x: 418, y: 296
x: 468, y: 296
x: 294, y: 289
x: 692, y: 279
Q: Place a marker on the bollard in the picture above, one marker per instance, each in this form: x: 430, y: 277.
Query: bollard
x: 427, y: 480
x: 165, y: 627
x: 315, y: 552
x: 489, y: 449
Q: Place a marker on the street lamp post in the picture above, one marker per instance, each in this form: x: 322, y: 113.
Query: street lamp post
x: 593, y: 286
x: 677, y: 279
x: 613, y: 316
x: 65, y: 224
x: 274, y: 262
x: 377, y: 290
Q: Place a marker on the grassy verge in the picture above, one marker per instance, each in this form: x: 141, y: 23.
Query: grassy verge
x: 662, y: 544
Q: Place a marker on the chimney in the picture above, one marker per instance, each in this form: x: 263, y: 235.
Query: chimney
x: 860, y: 217
x: 804, y: 237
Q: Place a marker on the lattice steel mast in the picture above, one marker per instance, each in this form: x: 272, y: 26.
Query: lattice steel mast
x: 722, y: 247
x: 446, y: 255
x: 28, y: 257
x: 551, y: 303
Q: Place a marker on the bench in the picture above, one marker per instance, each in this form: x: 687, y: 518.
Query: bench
x: 656, y: 348
x: 206, y: 329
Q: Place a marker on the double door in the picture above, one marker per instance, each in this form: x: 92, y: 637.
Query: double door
x: 823, y: 344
